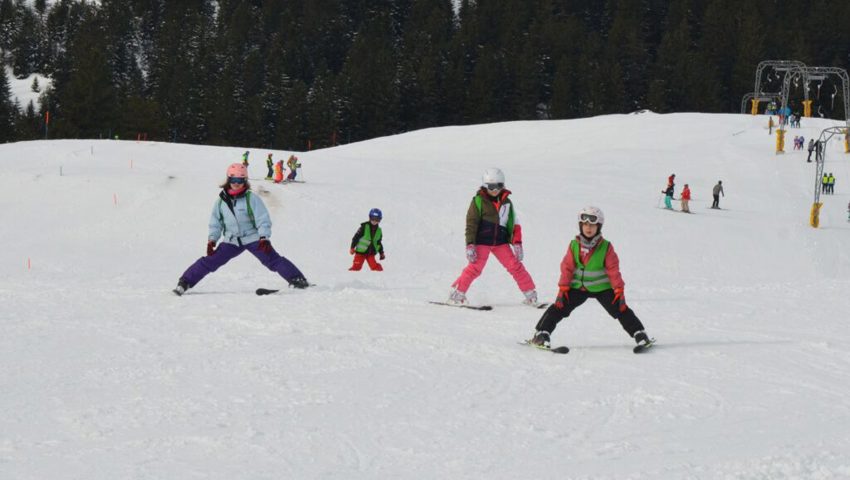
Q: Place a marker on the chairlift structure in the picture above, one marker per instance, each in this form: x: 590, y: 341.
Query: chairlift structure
x: 820, y: 157
x: 778, y: 67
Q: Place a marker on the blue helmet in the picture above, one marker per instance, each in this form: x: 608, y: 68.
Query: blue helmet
x: 376, y: 213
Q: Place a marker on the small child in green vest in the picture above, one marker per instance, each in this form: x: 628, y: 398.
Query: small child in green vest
x: 366, y: 243
x: 590, y: 269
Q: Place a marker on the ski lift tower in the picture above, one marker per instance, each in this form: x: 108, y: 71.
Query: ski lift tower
x: 820, y: 157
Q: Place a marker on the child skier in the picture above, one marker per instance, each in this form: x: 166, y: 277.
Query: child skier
x: 366, y: 243
x: 686, y: 197
x: 242, y: 222
x: 493, y: 227
x: 590, y: 269
x: 293, y: 165
x: 278, y: 171
x: 270, y: 166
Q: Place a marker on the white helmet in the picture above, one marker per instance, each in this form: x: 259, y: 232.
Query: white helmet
x: 592, y: 215
x: 492, y: 175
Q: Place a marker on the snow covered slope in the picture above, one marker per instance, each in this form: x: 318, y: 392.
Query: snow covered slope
x: 105, y: 374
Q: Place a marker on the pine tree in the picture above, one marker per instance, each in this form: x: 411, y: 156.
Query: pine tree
x: 7, y: 108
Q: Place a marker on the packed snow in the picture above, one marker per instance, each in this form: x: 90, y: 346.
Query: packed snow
x: 107, y: 374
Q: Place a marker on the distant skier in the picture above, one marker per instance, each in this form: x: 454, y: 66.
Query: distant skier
x: 668, y: 197
x: 293, y: 165
x: 848, y: 211
x: 492, y: 226
x: 270, y: 166
x: 811, y: 149
x: 686, y: 197
x: 824, y: 184
x: 716, y: 192
x: 590, y: 269
x: 278, y: 171
x: 770, y: 126
x: 245, y: 158
x: 366, y: 243
x: 242, y: 222
x: 830, y: 184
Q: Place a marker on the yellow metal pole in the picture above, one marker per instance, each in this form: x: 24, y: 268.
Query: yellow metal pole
x: 814, y: 216
x: 780, y: 141
x: 755, y: 110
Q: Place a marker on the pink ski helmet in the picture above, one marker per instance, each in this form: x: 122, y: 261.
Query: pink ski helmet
x: 237, y: 170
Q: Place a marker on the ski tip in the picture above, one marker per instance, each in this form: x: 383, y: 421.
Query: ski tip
x: 265, y: 291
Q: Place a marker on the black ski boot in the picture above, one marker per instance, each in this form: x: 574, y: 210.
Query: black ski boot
x: 181, y: 288
x: 541, y: 339
x: 299, y: 282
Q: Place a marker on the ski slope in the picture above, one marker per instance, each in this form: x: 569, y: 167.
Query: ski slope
x: 105, y: 374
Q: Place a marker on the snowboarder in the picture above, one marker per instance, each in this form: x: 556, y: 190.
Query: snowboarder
x: 366, y: 243
x: 492, y: 226
x: 590, y: 269
x: 245, y: 158
x: 270, y: 166
x: 686, y: 197
x: 716, y: 192
x: 242, y: 222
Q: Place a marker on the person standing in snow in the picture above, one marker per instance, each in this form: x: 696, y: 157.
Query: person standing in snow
x: 686, y: 197
x: 590, y: 269
x: 716, y: 192
x: 242, y: 222
x: 770, y: 126
x: 366, y: 243
x: 668, y: 197
x: 811, y: 149
x: 278, y: 171
x: 245, y: 158
x: 830, y: 184
x: 492, y: 226
x: 293, y: 165
x: 270, y: 166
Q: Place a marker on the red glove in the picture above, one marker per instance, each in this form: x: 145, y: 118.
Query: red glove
x: 382, y: 256
x: 563, y: 297
x: 619, y: 299
x: 210, y: 247
x: 351, y: 251
x: 265, y: 245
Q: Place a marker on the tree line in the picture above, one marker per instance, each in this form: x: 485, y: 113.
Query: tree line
x: 288, y: 74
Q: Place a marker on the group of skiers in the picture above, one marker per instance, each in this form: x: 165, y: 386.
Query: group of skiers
x: 590, y: 268
x: 276, y: 169
x: 685, y: 198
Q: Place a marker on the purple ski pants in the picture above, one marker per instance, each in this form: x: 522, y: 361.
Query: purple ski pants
x: 227, y: 252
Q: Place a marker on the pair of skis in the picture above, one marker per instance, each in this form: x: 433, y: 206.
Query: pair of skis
x: 482, y: 307
x: 564, y: 349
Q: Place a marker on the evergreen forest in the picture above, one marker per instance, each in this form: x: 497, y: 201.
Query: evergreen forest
x: 305, y: 74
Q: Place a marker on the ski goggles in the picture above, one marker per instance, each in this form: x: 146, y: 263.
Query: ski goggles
x: 237, y: 180
x: 588, y: 218
x: 494, y: 186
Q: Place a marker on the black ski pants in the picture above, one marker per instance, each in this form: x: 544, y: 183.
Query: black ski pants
x: 553, y: 314
x: 716, y: 202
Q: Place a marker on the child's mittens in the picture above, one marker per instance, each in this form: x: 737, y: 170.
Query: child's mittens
x: 619, y: 299
x: 382, y: 256
x: 351, y: 251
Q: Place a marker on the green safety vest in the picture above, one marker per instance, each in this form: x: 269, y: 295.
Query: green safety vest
x: 367, y: 239
x: 591, y: 276
x: 510, y: 225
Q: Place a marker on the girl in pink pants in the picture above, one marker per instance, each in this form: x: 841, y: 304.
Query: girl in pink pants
x: 492, y: 227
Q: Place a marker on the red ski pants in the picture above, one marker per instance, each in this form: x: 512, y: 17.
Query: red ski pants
x: 359, y: 258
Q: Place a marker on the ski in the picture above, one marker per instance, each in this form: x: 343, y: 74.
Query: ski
x: 643, y: 348
x: 471, y: 307
x: 539, y: 306
x: 269, y: 291
x: 559, y: 350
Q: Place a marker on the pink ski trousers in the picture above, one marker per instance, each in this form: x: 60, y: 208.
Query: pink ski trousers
x: 505, y: 255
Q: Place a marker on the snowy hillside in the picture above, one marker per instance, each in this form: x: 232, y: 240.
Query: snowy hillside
x: 106, y: 374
